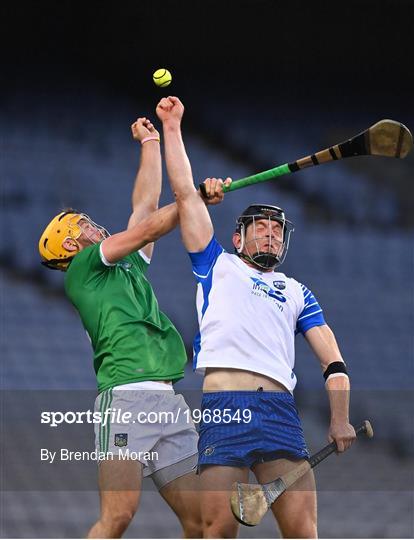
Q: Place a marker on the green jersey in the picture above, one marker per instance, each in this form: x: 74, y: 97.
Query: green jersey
x: 131, y: 338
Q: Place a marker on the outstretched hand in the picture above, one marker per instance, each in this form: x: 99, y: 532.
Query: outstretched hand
x: 143, y: 128
x: 170, y: 110
x: 214, y: 190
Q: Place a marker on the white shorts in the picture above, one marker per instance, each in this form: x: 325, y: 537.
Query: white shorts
x: 154, y: 427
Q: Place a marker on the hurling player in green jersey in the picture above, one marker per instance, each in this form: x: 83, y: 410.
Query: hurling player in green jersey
x: 138, y: 353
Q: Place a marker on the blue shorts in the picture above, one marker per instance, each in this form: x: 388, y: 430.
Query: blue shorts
x: 241, y: 428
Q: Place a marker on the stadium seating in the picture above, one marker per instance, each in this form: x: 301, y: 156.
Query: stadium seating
x: 361, y: 274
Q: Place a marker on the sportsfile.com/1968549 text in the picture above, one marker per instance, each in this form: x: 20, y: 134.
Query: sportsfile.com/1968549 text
x: 117, y: 416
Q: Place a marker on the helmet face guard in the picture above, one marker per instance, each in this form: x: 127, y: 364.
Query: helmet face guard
x: 266, y: 260
x: 64, y: 226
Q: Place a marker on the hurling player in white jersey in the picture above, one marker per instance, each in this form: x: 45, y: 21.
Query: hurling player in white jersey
x: 248, y: 315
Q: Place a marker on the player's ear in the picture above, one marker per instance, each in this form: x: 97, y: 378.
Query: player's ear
x: 236, y: 240
x: 70, y: 244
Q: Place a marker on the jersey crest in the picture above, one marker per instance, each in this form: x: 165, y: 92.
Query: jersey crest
x: 260, y: 287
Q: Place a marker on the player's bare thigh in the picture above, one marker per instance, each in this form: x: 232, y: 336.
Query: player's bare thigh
x: 215, y: 483
x: 296, y: 509
x: 183, y: 497
x: 120, y: 490
x: 119, y: 474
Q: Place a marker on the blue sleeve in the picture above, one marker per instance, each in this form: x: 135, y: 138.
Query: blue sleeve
x: 311, y: 315
x: 203, y: 261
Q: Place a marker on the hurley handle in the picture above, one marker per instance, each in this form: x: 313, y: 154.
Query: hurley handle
x: 365, y: 428
x: 253, y: 179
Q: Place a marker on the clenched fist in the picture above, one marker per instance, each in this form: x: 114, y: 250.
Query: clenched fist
x: 143, y: 128
x: 214, y: 190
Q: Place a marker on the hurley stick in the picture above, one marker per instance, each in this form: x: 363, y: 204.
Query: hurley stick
x: 385, y: 138
x: 250, y: 502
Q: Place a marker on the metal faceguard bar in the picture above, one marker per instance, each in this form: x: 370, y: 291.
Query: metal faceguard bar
x: 102, y: 230
x: 287, y: 229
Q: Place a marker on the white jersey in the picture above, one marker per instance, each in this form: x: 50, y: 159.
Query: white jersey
x: 247, y: 318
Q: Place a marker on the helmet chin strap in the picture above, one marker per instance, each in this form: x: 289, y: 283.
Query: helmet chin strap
x: 261, y: 260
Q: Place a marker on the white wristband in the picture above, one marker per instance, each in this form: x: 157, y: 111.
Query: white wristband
x: 336, y: 375
x: 152, y: 138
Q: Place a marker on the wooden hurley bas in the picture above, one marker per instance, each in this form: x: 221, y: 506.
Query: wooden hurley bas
x: 386, y: 138
x: 250, y: 502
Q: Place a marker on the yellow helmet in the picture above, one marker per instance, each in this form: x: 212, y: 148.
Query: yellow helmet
x: 63, y: 226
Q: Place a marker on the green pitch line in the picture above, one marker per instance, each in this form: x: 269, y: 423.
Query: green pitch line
x: 259, y: 177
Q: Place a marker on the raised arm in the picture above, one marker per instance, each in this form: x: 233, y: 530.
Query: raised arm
x: 323, y: 343
x: 147, y: 187
x: 195, y: 223
x: 147, y: 231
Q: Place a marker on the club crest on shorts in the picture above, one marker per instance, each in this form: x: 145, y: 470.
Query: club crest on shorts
x: 208, y: 451
x: 279, y: 285
x: 121, y: 439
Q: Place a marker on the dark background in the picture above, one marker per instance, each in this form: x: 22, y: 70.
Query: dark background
x: 345, y: 54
